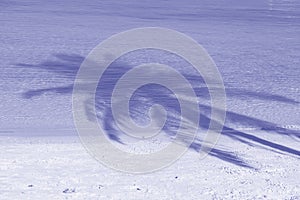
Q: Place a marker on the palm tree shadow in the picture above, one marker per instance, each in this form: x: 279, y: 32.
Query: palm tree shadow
x: 67, y: 65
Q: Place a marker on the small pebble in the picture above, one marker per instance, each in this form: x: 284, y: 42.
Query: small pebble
x: 69, y: 190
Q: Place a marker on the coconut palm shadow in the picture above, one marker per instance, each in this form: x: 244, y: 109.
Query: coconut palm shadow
x: 67, y: 65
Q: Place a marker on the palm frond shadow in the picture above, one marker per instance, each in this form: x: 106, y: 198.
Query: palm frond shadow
x: 66, y: 65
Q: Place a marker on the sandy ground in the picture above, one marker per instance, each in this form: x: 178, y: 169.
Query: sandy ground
x: 255, y: 45
x: 60, y: 168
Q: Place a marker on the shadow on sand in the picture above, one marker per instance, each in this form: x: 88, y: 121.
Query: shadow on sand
x: 66, y: 66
